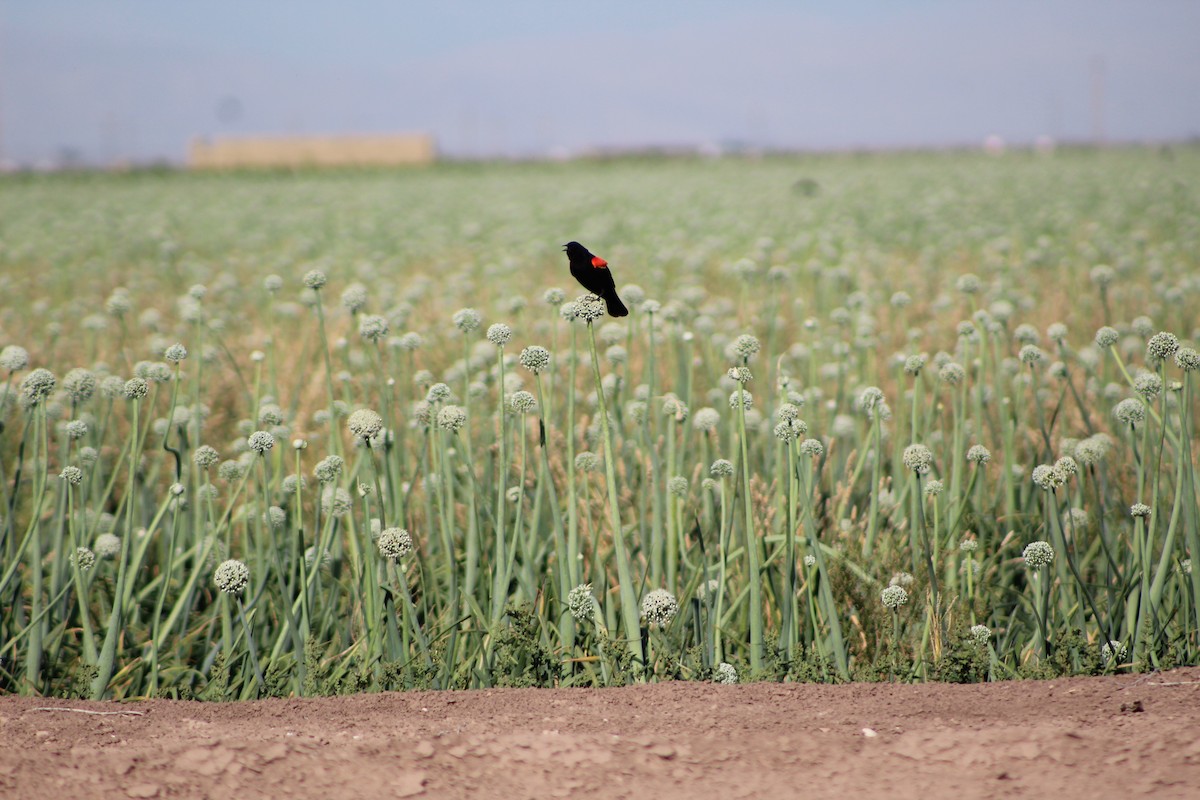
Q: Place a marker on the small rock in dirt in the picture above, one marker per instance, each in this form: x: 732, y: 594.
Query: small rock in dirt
x: 1135, y: 707
x: 870, y: 733
x: 142, y: 790
x: 409, y: 784
x: 424, y: 749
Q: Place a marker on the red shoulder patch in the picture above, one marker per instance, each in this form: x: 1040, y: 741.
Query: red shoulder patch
x: 599, y: 263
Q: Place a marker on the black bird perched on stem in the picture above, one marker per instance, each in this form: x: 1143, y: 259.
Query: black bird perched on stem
x: 592, y: 271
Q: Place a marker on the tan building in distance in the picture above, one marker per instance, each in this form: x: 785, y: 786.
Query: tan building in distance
x: 311, y: 151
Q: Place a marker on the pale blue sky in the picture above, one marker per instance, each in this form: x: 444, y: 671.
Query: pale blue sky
x: 137, y: 78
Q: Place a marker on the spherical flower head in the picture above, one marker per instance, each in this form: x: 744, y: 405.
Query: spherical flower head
x: 354, y: 297
x: 136, y: 389
x: 674, y: 407
x: 1045, y: 477
x: 587, y: 461
x: 812, y: 447
x: 914, y: 364
x: 451, y: 418
x: 364, y: 424
x: 740, y: 374
x: 76, y: 429
x: 1148, y: 385
x: 706, y: 419
x: 741, y: 399
x: 1130, y: 411
x: 80, y: 384
x: 1066, y: 468
x: 231, y: 471
x: 292, y: 484
x: 589, y: 308
x: 810, y: 561
x: 967, y: 284
x: 270, y: 415
x: 394, y: 543
x: 437, y: 393
x: 678, y: 486
x: 14, y: 357
x: 336, y: 501
x: 272, y: 283
x: 918, y: 458
x: 535, y: 359
x: 894, y: 596
x: 373, y: 328
x: 869, y: 398
x: 84, y: 558
x: 1187, y: 359
x: 933, y: 487
x: 523, y: 402
x: 611, y: 333
x: 968, y: 545
x: 1038, y: 555
x: 980, y: 634
x: 787, y: 412
x: 107, y: 546
x: 581, y: 603
x: 746, y: 346
x: 88, y: 456
x: 721, y: 468
x: 725, y: 673
x: 1032, y: 355
x: 328, y: 469
x: 978, y: 454
x: 554, y: 296
x: 790, y: 430
x: 38, y: 385
x: 567, y: 312
x: 1074, y: 517
x: 260, y: 442
x: 232, y: 576
x: 205, y: 456
x: 1093, y: 449
x: 1114, y: 650
x: 1102, y: 275
x: 112, y: 387
x: 1161, y: 346
x: 467, y: 319
x: 499, y: 334
x: 152, y: 371
x: 952, y: 373
x: 1106, y: 337
x: 72, y: 475
x: 1140, y: 510
x: 276, y: 517
x: 1185, y: 566
x: 315, y: 279
x: 1027, y: 334
x: 901, y: 300
x: 175, y: 353
x: 659, y: 607
x: 118, y: 303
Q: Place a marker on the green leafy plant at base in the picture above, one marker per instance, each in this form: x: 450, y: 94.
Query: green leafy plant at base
x: 522, y: 659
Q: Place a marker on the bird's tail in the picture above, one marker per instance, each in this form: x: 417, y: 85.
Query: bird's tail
x: 615, y: 307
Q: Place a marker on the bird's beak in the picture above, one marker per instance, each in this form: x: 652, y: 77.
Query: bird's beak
x: 564, y: 248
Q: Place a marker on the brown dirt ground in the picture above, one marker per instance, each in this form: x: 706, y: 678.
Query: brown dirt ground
x: 1129, y: 735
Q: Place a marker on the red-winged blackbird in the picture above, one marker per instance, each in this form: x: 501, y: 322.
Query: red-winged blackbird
x: 592, y: 271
